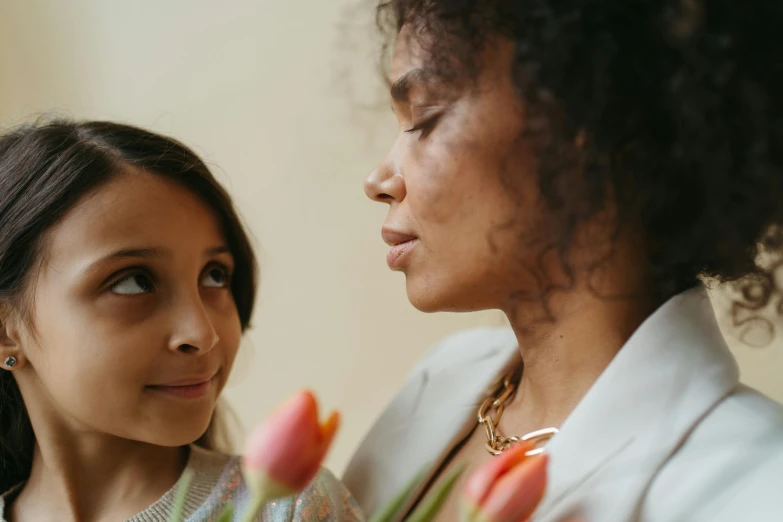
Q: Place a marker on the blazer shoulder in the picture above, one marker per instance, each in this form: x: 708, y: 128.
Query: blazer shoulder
x: 465, y: 345
x: 729, y: 468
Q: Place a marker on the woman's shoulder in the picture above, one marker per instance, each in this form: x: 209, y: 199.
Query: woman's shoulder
x: 729, y: 468
x: 324, y: 500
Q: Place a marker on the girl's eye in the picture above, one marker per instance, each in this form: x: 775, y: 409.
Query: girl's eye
x: 216, y: 277
x: 133, y: 284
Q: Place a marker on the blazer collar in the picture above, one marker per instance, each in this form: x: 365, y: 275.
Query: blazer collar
x: 433, y: 412
x: 672, y: 371
x: 669, y: 374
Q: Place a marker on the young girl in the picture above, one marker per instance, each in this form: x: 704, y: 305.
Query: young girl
x: 126, y: 282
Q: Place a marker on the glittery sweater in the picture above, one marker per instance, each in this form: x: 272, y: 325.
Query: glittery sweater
x: 217, y: 480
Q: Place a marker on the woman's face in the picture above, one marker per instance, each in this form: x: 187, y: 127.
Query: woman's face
x: 458, y: 183
x: 133, y: 327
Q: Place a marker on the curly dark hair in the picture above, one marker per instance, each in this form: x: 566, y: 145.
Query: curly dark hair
x: 672, y: 107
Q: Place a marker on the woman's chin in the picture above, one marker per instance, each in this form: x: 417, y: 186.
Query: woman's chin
x: 431, y: 297
x: 423, y: 305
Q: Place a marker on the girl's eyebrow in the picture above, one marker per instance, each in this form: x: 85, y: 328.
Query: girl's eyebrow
x: 148, y: 253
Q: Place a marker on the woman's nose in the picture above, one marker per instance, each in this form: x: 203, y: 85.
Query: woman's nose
x: 385, y: 184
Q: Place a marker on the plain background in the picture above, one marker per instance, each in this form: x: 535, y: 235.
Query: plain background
x: 284, y: 100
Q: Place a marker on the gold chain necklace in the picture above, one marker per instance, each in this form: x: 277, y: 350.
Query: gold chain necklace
x: 496, y: 442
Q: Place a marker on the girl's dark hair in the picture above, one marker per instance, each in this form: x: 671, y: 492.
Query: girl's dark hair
x: 44, y: 170
x: 674, y: 107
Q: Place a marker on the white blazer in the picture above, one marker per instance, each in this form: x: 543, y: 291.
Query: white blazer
x: 667, y: 433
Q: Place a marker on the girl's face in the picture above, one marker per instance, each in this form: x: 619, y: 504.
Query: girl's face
x: 132, y: 326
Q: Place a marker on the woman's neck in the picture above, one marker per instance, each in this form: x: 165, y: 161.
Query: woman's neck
x: 95, y: 477
x: 567, y: 339
x: 563, y: 356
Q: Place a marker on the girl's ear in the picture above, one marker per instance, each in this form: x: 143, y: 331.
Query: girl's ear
x: 11, y: 356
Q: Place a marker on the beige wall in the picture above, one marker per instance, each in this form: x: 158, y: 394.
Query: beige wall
x: 271, y: 94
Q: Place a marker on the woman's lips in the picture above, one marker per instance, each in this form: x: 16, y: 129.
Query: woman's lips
x: 401, y: 244
x: 393, y: 237
x: 398, y: 255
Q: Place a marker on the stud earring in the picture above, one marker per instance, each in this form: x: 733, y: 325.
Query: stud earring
x: 10, y: 361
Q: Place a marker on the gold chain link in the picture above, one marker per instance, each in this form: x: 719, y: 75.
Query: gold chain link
x: 496, y: 442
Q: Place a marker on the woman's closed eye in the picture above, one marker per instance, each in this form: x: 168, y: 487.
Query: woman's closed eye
x: 424, y: 124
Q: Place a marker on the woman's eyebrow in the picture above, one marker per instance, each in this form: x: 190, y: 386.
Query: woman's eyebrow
x: 401, y: 87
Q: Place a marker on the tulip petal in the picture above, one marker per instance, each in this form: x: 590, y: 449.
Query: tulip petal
x: 284, y: 454
x: 290, y: 446
x: 294, y: 424
x: 313, y: 456
x: 483, y: 479
x: 330, y: 427
x: 517, y: 494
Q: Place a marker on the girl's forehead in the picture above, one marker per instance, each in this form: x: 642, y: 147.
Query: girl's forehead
x: 134, y: 210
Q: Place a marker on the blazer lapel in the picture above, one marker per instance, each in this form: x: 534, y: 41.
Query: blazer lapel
x: 434, y: 411
x: 672, y: 372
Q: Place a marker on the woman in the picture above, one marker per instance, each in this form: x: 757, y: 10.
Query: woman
x: 583, y: 166
x: 126, y: 283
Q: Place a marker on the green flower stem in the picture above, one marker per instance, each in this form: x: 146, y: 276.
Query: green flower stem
x: 434, y: 501
x: 263, y: 490
x: 388, y: 512
x: 182, y: 494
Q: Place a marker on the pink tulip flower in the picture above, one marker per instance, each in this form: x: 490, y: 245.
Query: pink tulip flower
x: 285, y: 452
x: 507, y: 488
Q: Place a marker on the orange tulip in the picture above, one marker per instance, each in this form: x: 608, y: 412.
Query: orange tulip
x: 507, y: 488
x: 285, y: 452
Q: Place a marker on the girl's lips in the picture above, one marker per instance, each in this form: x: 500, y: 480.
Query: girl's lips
x: 185, y: 391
